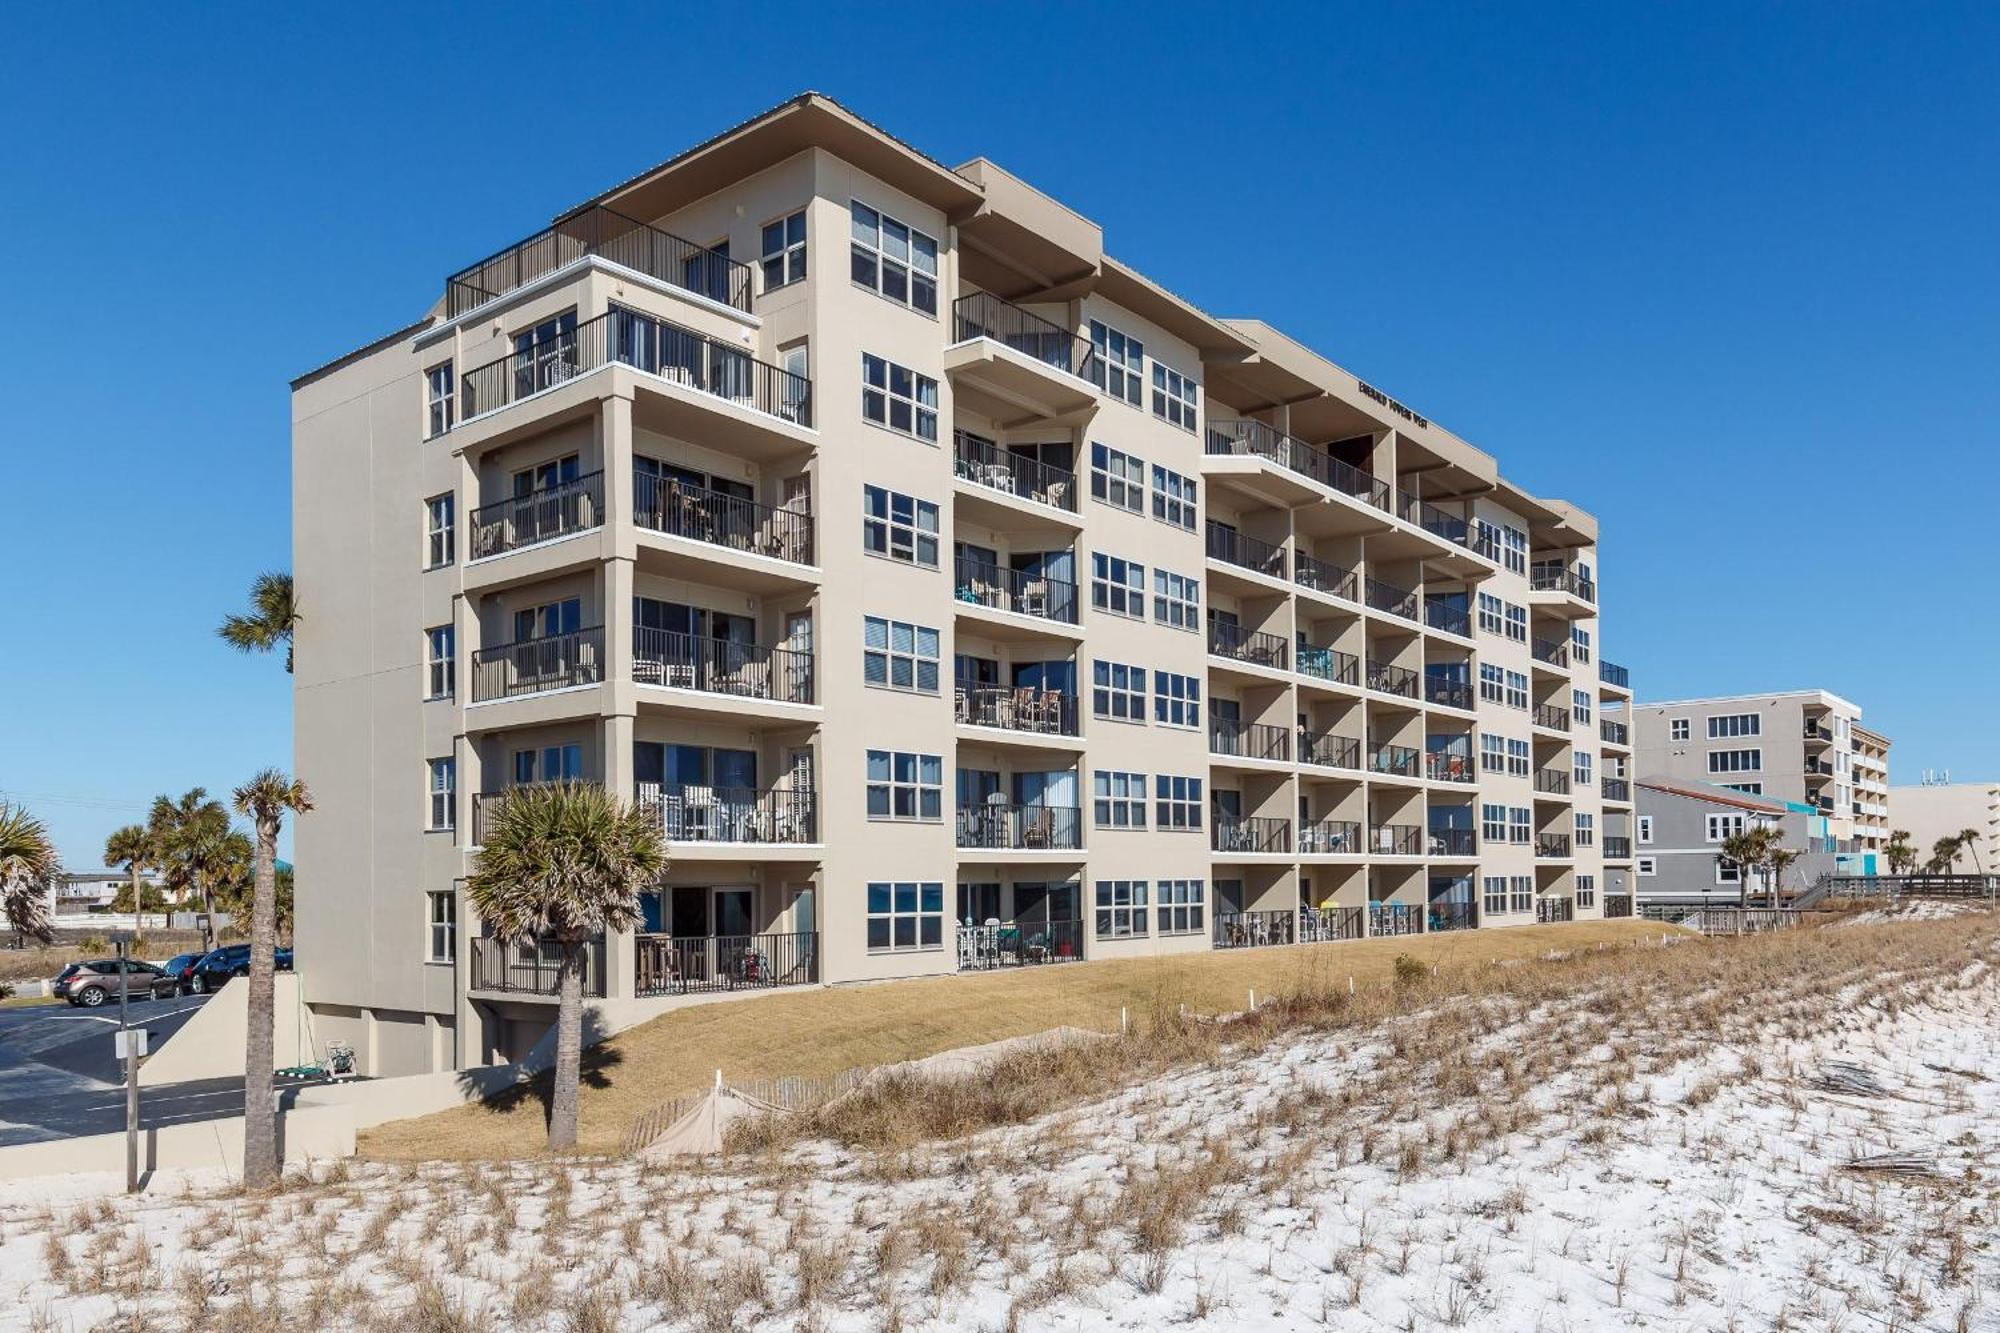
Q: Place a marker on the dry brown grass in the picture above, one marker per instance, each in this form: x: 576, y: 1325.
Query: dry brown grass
x: 36, y: 963
x: 817, y: 1033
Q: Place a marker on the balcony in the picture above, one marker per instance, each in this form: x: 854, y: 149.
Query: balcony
x: 1614, y: 733
x: 695, y: 513
x: 1457, y: 844
x: 535, y: 666
x: 532, y: 967
x: 1255, y: 834
x: 1450, y: 766
x: 1255, y: 439
x: 1231, y: 547
x: 783, y: 816
x: 987, y: 464
x: 1555, y: 845
x: 1443, y: 916
x: 1029, y: 710
x: 1331, y: 923
x: 1254, y: 930
x: 1448, y: 691
x: 1387, y: 679
x: 1556, y: 577
x: 1329, y: 664
x: 1017, y: 591
x: 1007, y: 361
x: 485, y: 804
x: 1440, y: 614
x: 1552, y: 717
x: 1399, y: 761
x: 1244, y: 645
x: 1389, y: 598
x: 1249, y: 740
x: 1330, y: 837
x: 657, y: 347
x: 540, y: 516
x: 1319, y: 576
x: 1551, y: 782
x: 1614, y: 675
x: 613, y: 236
x: 1554, y: 911
x: 1550, y: 652
x: 1617, y: 848
x: 1395, y: 840
x: 1617, y: 905
x: 1445, y: 526
x: 1329, y: 751
x: 1616, y: 789
x: 1000, y: 944
x: 1817, y: 731
x: 1004, y: 826
x: 687, y: 965
x: 717, y: 666
x: 1391, y: 919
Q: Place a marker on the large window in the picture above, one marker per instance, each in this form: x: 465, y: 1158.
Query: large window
x: 1581, y: 768
x: 1490, y: 678
x: 1586, y: 828
x: 1586, y: 890
x: 437, y: 383
x: 905, y: 786
x: 440, y: 662
x: 893, y: 258
x: 1520, y: 825
x: 1118, y: 691
x: 1490, y: 619
x: 1120, y: 799
x: 1521, y: 893
x: 899, y: 398
x: 1514, y: 549
x: 1517, y: 690
x: 1177, y: 600
x: 1493, y: 894
x: 1118, y: 585
x: 1177, y: 802
x: 784, y: 250
x: 1180, y: 906
x: 899, y: 656
x: 1519, y: 758
x: 1735, y: 761
x: 1121, y: 908
x: 443, y: 787
x: 439, y: 546
x: 1492, y: 753
x: 1728, y: 726
x: 1723, y: 827
x: 1174, y: 397
x: 1579, y: 644
x: 905, y: 915
x: 899, y: 527
x: 1117, y: 363
x: 1517, y: 623
x: 1579, y: 704
x: 1173, y: 498
x: 1493, y: 823
x: 548, y: 763
x: 1117, y: 478
x: 443, y: 947
x: 1176, y: 699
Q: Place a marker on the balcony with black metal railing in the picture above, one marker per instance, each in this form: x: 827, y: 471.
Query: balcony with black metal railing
x: 486, y: 804
x: 1255, y: 439
x: 1395, y: 840
x: 1550, y: 652
x: 1329, y: 750
x: 1030, y: 710
x: 539, y: 516
x: 1329, y: 664
x: 1454, y: 842
x: 1388, y: 598
x: 1026, y: 827
x: 1249, y: 740
x: 1617, y: 906
x: 1324, y: 577
x: 1553, y: 717
x: 995, y: 467
x: 612, y: 236
x: 1446, y: 691
x: 984, y: 315
x: 718, y: 666
x: 536, y: 666
x: 1250, y: 834
x: 532, y: 966
x: 693, y: 964
x: 1558, y: 578
x: 1551, y: 911
x: 1451, y: 763
x: 1252, y: 930
x: 1330, y: 837
x: 1254, y: 647
x: 1610, y: 673
x: 1448, y: 616
x: 1440, y: 523
x: 677, y: 509
x: 1551, y: 782
x: 1387, y: 678
x: 1022, y: 592
x: 1230, y: 547
x: 1451, y: 915
x: 997, y: 944
x: 1616, y: 789
x: 1613, y: 733
x: 1617, y: 847
x: 1400, y: 761
x: 687, y: 813
x: 1393, y: 919
x: 1320, y: 924
x: 1556, y: 845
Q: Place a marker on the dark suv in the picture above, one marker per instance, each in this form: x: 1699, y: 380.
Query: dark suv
x: 95, y: 983
x: 231, y: 960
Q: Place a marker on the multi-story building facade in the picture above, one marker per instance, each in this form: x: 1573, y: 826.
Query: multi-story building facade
x: 1806, y: 746
x: 953, y: 594
x: 1939, y: 808
x: 1680, y: 832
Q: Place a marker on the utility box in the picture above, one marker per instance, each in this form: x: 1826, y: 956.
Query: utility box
x: 129, y: 1041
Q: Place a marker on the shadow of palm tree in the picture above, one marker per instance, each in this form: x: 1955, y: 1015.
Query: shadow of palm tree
x: 501, y: 1090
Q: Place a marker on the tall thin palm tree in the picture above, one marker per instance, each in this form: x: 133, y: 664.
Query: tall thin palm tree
x: 1900, y: 855
x: 564, y: 863
x: 29, y: 868
x: 1969, y: 839
x: 265, y: 798
x: 274, y: 615
x: 132, y: 848
x: 1943, y: 853
x: 190, y: 840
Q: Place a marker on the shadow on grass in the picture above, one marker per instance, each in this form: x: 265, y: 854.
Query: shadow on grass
x: 501, y: 1090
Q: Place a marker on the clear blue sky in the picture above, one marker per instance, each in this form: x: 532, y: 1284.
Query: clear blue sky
x: 1725, y: 274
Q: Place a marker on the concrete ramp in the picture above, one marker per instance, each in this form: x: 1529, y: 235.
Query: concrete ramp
x: 210, y: 1043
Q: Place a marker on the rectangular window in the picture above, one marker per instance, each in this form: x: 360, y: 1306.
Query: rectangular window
x: 905, y: 786
x: 899, y: 527
x: 1490, y: 678
x: 444, y: 927
x: 1519, y: 758
x: 1493, y: 892
x: 1721, y: 827
x: 440, y: 548
x: 1177, y: 803
x: 1586, y: 829
x: 1586, y: 888
x: 1647, y: 866
x: 1117, y: 478
x: 1173, y: 498
x: 1492, y: 753
x: 899, y: 656
x: 1517, y: 623
x: 1747, y: 788
x: 899, y: 398
x: 437, y: 383
x: 550, y: 763
x: 1117, y: 363
x: 1121, y: 908
x: 905, y: 915
x: 1176, y: 699
x: 1174, y: 397
x: 1521, y: 893
x: 784, y: 251
x: 1728, y: 726
x: 443, y: 790
x: 1677, y: 729
x: 1493, y: 823
x: 1118, y: 691
x: 440, y: 662
x: 1579, y: 704
x: 1727, y: 871
x: 1514, y: 544
x: 1180, y: 906
x: 1177, y: 600
x: 1118, y: 585
x: 893, y: 258
x: 1517, y: 690
x: 1120, y: 799
x: 1645, y: 823
x: 1735, y: 761
x: 1582, y: 768
x: 1520, y: 825
x: 1490, y: 618
x: 1579, y: 643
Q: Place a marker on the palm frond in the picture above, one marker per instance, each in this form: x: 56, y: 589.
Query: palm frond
x: 273, y: 616
x: 29, y: 868
x: 564, y: 861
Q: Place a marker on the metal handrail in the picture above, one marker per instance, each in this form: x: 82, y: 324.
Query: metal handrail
x: 1396, y: 760
x: 600, y: 231
x: 1244, y: 551
x: 1262, y: 441
x: 1388, y: 678
x: 1329, y: 664
x: 691, y: 813
x: 984, y: 315
x: 530, y: 666
x: 1331, y: 837
x: 982, y: 461
x: 980, y: 583
x: 672, y: 506
x: 1329, y: 750
x: 1322, y: 576
x: 1551, y: 716
x: 1388, y: 597
x: 1552, y: 782
x: 1043, y: 712
x: 719, y: 666
x: 1006, y: 826
x: 539, y: 516
x: 1251, y: 833
x: 1248, y: 740
x: 688, y: 964
x: 1246, y: 645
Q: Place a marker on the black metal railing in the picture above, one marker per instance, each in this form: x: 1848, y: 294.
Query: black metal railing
x: 1551, y: 651
x: 1552, y: 782
x: 1252, y: 930
x: 687, y: 964
x: 1556, y: 578
x: 1331, y: 923
x: 1329, y: 664
x: 1042, y: 712
x: 1320, y: 576
x: 1390, y: 598
x: 1552, y: 844
x: 672, y: 506
x: 656, y: 346
x: 687, y: 813
x: 1613, y: 674
x: 1617, y: 905
x: 1451, y: 916
x: 1450, y: 765
x: 1615, y: 732
x: 1256, y: 438
x: 1010, y: 827
x: 1330, y: 837
x: 1616, y: 789
x: 600, y: 231
x: 531, y: 966
x: 1250, y: 833
x: 1447, y: 691
x: 539, y: 516
x: 1439, y: 523
x: 530, y: 666
x: 1390, y: 679
x: 1552, y: 716
x: 1550, y: 911
x: 982, y: 584
x: 487, y: 803
x: 1617, y: 847
x: 1328, y: 750
x: 1001, y: 944
x: 1448, y: 616
x: 1390, y: 919
x: 981, y: 460
x: 984, y: 315
x: 1455, y: 842
x: 717, y: 666
x: 1395, y: 840
x: 1397, y: 760
x: 1238, y: 548
x: 1246, y: 645
x: 1248, y: 740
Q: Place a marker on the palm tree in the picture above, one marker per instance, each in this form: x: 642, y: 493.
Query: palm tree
x: 1747, y: 850
x: 564, y: 862
x: 190, y: 839
x: 1969, y: 839
x: 1901, y: 856
x: 274, y: 615
x: 265, y: 799
x: 1780, y: 859
x: 1943, y: 852
x: 132, y: 848
x: 29, y: 868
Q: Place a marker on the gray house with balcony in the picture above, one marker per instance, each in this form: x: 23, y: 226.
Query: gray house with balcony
x: 1681, y: 827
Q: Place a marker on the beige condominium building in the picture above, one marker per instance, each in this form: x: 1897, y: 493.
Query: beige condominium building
x: 954, y: 595
x: 1940, y: 808
x: 1799, y: 745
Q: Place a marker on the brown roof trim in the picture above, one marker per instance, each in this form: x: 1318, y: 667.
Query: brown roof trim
x: 1716, y: 796
x: 349, y: 358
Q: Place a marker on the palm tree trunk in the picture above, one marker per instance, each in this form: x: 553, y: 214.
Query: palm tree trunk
x: 207, y: 916
x: 569, y: 1049
x: 260, y: 1121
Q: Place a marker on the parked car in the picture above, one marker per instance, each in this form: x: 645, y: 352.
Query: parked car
x: 181, y: 968
x: 231, y: 960
x: 94, y: 983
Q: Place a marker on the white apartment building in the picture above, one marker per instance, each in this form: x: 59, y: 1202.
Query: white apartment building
x: 955, y: 596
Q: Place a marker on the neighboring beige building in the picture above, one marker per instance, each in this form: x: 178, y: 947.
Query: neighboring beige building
x: 917, y: 564
x: 1797, y: 745
x: 1934, y: 810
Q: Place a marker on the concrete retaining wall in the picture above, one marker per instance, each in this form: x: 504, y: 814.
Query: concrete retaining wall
x: 210, y: 1043
x: 303, y: 1134
x: 378, y: 1101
